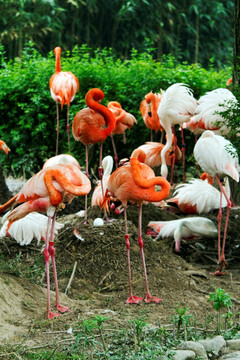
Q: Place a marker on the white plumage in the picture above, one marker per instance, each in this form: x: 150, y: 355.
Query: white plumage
x: 176, y: 107
x: 61, y: 159
x: 198, y: 196
x: 207, y: 114
x: 184, y: 228
x: 33, y: 225
x: 216, y: 155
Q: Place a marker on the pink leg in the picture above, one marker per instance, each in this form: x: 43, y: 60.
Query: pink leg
x: 86, y: 197
x: 183, y: 155
x: 148, y: 297
x: 100, y: 174
x: 174, y: 156
x: 68, y: 134
x: 50, y: 314
x: 57, y: 128
x: 221, y: 252
x: 114, y: 151
x: 132, y: 299
x: 59, y: 307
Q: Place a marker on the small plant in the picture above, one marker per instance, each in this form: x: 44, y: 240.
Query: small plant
x: 181, y: 318
x: 220, y: 300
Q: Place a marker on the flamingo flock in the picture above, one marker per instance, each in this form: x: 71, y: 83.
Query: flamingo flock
x: 34, y: 209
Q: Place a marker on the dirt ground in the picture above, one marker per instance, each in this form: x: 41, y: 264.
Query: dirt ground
x: 100, y: 283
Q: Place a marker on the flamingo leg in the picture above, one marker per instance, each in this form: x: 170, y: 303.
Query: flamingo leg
x: 148, y: 297
x: 51, y: 249
x: 221, y: 252
x: 183, y: 154
x: 114, y: 151
x: 68, y: 132
x: 132, y: 298
x: 151, y: 135
x: 100, y: 174
x: 85, y: 221
x: 124, y: 138
x: 57, y: 128
x: 50, y: 314
x: 174, y: 156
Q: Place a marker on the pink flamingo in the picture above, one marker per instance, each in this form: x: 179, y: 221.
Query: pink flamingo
x: 134, y: 182
x: 216, y: 156
x: 148, y: 109
x: 176, y: 107
x: 124, y: 121
x: 4, y: 147
x: 46, y: 192
x: 63, y: 87
x: 92, y: 125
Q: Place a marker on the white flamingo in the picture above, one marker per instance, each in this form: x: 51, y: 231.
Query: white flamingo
x: 217, y: 156
x: 183, y: 229
x: 176, y: 107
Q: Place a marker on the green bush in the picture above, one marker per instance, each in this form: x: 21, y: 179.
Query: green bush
x: 28, y: 112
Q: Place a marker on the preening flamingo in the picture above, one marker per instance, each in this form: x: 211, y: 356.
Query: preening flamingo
x: 4, y: 147
x: 176, y: 107
x: 217, y: 156
x: 153, y: 152
x: 97, y: 196
x: 135, y: 182
x: 24, y: 230
x: 46, y: 192
x: 183, y: 229
x: 92, y: 125
x: 61, y: 159
x: 208, y: 112
x: 63, y: 87
x: 198, y: 196
x: 124, y: 121
x: 148, y: 109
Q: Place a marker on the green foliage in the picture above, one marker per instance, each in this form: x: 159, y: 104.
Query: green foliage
x: 220, y: 299
x: 181, y: 318
x: 29, y: 113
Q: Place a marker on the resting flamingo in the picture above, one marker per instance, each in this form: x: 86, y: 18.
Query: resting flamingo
x: 182, y: 229
x: 217, y: 156
x: 208, y: 112
x: 63, y: 87
x: 92, y: 125
x: 176, y: 107
x: 124, y: 121
x: 135, y: 182
x: 153, y: 152
x: 198, y: 196
x: 148, y: 109
x: 46, y: 192
x: 24, y: 230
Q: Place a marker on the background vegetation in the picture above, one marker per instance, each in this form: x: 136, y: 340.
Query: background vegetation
x: 190, y: 30
x: 29, y: 113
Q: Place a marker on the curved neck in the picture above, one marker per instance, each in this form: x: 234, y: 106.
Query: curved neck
x: 58, y: 60
x: 92, y: 97
x: 153, y: 195
x: 107, y: 164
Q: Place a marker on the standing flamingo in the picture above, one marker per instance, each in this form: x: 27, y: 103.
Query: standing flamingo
x: 182, y: 229
x: 216, y: 156
x: 97, y: 196
x: 208, y: 112
x: 124, y: 121
x: 63, y: 87
x: 135, y: 182
x: 4, y: 147
x: 198, y: 196
x: 92, y: 125
x: 46, y: 192
x: 148, y: 109
x: 176, y: 107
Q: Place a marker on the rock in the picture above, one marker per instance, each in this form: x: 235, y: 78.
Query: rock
x: 213, y: 346
x: 184, y: 355
x: 233, y: 344
x: 197, y: 348
x: 231, y: 356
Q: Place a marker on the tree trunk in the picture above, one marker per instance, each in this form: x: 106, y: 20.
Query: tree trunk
x: 5, y: 193
x: 236, y: 48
